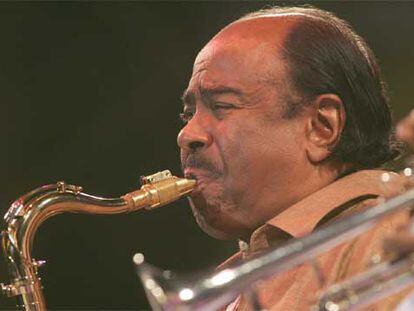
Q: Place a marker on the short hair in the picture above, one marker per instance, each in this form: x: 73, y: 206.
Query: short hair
x: 324, y: 55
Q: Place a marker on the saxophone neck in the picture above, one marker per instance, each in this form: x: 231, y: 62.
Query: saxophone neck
x: 28, y: 212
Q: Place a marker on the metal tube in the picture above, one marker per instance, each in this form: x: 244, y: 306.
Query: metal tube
x: 221, y: 287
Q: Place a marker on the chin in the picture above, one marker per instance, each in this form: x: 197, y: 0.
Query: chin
x: 213, y: 232
x: 211, y: 220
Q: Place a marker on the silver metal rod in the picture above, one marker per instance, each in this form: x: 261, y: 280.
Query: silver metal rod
x: 221, y: 287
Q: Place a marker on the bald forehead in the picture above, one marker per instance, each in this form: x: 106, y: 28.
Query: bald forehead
x: 271, y: 29
x: 254, y: 37
x: 246, y: 55
x: 253, y: 43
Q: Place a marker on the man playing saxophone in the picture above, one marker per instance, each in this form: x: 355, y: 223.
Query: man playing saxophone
x: 286, y: 123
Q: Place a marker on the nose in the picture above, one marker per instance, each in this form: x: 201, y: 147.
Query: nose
x: 193, y: 136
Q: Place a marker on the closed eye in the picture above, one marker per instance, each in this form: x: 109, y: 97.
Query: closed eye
x: 221, y: 105
x: 221, y: 109
x: 218, y: 108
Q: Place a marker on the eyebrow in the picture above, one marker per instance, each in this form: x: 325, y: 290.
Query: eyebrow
x: 188, y: 96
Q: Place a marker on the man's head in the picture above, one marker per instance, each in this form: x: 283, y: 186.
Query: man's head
x: 279, y: 104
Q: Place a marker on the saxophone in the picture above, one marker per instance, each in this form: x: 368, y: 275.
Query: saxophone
x: 28, y: 212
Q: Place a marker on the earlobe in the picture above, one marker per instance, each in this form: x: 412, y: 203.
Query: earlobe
x: 325, y: 126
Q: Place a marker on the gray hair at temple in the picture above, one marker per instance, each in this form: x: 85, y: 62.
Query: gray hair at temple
x: 325, y: 55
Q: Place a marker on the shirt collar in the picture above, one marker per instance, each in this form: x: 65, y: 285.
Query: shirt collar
x: 301, y: 218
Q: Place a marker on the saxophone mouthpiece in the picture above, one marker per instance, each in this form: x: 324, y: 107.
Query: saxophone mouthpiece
x: 159, y: 189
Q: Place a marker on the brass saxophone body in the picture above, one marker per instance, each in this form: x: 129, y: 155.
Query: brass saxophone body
x: 28, y: 212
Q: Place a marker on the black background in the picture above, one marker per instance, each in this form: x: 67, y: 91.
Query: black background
x: 89, y: 94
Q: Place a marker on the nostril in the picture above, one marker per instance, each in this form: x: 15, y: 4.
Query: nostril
x: 196, y: 145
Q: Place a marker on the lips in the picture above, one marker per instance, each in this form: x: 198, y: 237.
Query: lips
x: 201, y: 176
x: 189, y: 174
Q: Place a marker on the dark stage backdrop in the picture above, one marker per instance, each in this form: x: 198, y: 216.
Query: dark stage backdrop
x: 89, y: 94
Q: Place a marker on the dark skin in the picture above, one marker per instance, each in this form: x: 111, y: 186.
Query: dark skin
x: 250, y: 162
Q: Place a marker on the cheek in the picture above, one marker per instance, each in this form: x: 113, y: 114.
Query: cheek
x: 240, y: 151
x: 257, y: 150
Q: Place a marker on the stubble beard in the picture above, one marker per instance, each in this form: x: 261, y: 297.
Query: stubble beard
x: 208, y: 208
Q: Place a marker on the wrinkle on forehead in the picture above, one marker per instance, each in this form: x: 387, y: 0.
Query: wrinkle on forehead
x: 237, y: 54
x: 252, y: 41
x: 245, y: 55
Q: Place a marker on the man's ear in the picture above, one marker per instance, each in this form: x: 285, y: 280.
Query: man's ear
x: 325, y: 125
